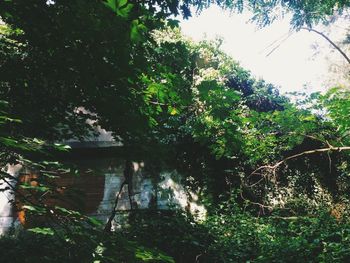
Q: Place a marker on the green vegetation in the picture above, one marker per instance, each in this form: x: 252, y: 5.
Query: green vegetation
x: 273, y: 175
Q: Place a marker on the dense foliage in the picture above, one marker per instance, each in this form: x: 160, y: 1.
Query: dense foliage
x: 272, y: 174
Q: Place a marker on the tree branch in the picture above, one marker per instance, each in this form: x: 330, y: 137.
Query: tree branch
x: 321, y: 150
x: 330, y: 41
x: 114, y: 211
x: 128, y: 173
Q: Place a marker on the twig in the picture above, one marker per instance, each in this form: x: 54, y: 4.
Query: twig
x: 279, y: 44
x: 114, y: 211
x: 262, y: 206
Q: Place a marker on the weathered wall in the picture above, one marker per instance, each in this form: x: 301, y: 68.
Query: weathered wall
x: 7, y: 197
x: 99, y: 183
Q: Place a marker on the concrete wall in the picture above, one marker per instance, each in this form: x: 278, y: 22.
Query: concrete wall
x: 7, y: 198
x: 99, y: 183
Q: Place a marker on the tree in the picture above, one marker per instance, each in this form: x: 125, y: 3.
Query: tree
x: 69, y: 54
x: 194, y: 109
x: 63, y: 56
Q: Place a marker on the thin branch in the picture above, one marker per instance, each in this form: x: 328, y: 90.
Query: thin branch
x: 262, y: 206
x: 330, y: 41
x: 329, y: 162
x: 274, y: 42
x: 310, y: 152
x: 330, y: 148
x: 279, y: 44
x: 114, y: 211
x: 128, y: 173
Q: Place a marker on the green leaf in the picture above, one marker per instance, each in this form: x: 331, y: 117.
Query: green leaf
x: 95, y: 222
x: 136, y: 31
x: 67, y: 211
x: 42, y: 231
x: 148, y: 255
x: 37, y: 188
x: 120, y: 7
x: 173, y: 111
x: 173, y: 23
x: 111, y: 4
x: 124, y: 11
x: 35, y: 209
x: 8, y: 142
x: 62, y: 147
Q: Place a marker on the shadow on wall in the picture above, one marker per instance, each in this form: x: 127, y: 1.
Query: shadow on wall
x: 7, y: 198
x: 173, y: 194
x: 168, y: 194
x: 94, y: 193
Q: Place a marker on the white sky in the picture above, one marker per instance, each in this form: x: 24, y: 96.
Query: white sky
x: 290, y: 66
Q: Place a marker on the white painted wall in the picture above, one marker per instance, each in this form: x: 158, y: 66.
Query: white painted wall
x: 7, y: 197
x: 170, y: 194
